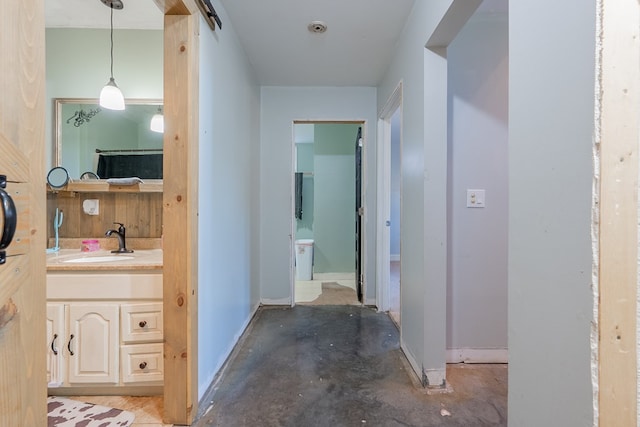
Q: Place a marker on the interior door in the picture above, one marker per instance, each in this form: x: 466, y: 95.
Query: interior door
x: 22, y: 214
x: 359, y: 213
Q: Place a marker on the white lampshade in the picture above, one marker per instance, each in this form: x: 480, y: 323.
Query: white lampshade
x: 111, y: 97
x: 157, y: 123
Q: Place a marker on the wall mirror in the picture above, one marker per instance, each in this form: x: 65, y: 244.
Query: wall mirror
x: 89, y: 138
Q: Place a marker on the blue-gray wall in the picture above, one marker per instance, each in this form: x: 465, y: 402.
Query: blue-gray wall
x: 228, y: 239
x: 478, y: 75
x: 423, y: 296
x: 552, y: 48
x: 280, y: 107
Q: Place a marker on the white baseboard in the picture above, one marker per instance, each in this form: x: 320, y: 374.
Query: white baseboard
x: 334, y: 276
x: 279, y: 301
x: 370, y: 302
x: 209, y: 382
x: 415, y: 366
x: 394, y: 257
x: 477, y: 355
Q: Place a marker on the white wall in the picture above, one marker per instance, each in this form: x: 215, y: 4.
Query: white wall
x: 478, y: 151
x: 280, y: 107
x: 77, y: 66
x: 551, y: 122
x: 228, y: 197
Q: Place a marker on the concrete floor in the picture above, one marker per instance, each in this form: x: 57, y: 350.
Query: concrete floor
x: 342, y: 366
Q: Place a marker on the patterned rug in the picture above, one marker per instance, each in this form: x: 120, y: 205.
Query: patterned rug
x: 72, y: 413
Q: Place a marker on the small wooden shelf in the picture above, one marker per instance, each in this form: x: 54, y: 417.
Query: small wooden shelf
x: 101, y: 186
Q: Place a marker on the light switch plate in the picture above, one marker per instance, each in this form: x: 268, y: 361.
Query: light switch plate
x: 475, y: 198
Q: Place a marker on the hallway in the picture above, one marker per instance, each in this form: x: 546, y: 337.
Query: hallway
x: 342, y: 366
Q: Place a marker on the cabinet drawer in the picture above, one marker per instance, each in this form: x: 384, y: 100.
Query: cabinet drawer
x: 141, y: 322
x: 142, y: 363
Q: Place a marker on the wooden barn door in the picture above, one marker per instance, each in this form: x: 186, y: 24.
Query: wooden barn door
x: 23, y: 386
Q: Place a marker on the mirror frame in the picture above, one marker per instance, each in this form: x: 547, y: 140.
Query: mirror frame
x: 57, y: 118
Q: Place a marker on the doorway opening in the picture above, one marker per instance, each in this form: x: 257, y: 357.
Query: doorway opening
x: 327, y: 213
x: 389, y: 206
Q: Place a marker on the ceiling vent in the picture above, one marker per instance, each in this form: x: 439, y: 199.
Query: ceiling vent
x: 317, y: 27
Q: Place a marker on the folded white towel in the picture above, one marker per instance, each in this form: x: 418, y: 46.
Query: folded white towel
x: 124, y: 181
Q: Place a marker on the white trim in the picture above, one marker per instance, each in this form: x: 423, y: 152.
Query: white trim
x: 292, y: 222
x: 436, y: 378
x: 394, y: 257
x: 416, y: 367
x: 477, y: 355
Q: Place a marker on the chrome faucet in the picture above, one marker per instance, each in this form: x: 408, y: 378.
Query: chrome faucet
x: 121, y: 235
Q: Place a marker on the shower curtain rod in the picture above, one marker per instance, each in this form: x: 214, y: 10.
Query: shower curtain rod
x: 140, y: 150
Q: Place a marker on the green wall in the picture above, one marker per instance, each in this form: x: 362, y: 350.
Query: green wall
x: 334, y: 198
x: 304, y: 226
x: 77, y: 66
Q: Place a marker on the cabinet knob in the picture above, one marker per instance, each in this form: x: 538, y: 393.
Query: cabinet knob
x: 142, y: 323
x: 143, y: 365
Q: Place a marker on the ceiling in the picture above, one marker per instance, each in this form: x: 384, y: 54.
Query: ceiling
x: 137, y: 14
x: 354, y: 51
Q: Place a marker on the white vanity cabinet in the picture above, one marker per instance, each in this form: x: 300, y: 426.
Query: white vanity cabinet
x: 141, y: 352
x: 85, y: 338
x: 104, y: 331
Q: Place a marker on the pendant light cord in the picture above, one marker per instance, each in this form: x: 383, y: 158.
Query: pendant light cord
x: 111, y: 41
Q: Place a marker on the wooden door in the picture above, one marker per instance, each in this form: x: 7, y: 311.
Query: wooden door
x: 92, y: 346
x: 22, y: 273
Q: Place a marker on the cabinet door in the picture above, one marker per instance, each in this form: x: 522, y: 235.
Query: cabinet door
x: 55, y: 344
x: 93, y: 343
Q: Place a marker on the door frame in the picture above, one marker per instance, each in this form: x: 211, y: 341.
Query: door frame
x: 180, y: 209
x: 383, y: 239
x: 363, y: 192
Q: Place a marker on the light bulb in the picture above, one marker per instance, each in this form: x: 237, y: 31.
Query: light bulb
x: 157, y: 123
x: 111, y: 97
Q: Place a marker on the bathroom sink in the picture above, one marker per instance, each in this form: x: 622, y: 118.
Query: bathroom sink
x: 108, y: 258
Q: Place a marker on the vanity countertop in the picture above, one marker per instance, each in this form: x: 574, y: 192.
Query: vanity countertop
x: 75, y: 260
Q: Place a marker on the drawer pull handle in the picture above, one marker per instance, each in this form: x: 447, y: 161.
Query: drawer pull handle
x: 53, y: 344
x: 142, y: 323
x: 143, y: 365
x: 69, y: 345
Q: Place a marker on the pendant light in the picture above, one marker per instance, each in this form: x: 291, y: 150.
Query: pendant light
x: 157, y: 122
x: 111, y: 97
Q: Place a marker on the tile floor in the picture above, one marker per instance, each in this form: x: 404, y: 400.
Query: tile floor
x: 309, y: 290
x: 147, y: 409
